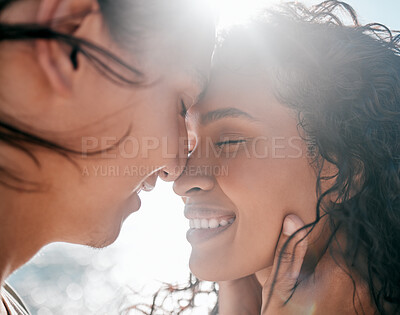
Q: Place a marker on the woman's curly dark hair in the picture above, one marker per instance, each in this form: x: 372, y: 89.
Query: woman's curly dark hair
x: 343, y: 81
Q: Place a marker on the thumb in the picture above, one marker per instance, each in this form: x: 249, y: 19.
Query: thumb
x: 288, y: 260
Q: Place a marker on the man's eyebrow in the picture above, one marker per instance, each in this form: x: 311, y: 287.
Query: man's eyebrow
x: 229, y: 112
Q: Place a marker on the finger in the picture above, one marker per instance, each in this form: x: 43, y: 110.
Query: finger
x: 288, y: 260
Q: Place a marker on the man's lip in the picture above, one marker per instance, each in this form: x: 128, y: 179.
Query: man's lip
x: 203, y: 211
x: 148, y: 183
x: 147, y: 186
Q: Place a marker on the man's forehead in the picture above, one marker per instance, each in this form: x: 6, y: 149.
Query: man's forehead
x: 199, y: 78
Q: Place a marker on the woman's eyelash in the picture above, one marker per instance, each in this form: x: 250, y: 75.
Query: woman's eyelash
x: 221, y: 143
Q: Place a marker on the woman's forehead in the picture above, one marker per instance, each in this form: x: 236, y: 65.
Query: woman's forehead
x: 232, y: 94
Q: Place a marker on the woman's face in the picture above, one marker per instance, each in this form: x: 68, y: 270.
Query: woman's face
x: 248, y: 169
x: 86, y: 201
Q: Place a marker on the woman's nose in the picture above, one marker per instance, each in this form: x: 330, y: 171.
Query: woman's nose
x: 194, y: 179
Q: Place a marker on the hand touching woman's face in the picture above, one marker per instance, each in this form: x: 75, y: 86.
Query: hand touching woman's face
x: 248, y: 169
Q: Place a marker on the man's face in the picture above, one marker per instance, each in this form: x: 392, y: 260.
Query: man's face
x: 136, y: 133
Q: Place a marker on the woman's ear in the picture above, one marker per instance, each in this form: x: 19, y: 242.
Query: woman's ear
x: 58, y: 60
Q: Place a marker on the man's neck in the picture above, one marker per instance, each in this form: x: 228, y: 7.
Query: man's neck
x: 11, y: 258
x: 13, y: 255
x: 20, y: 239
x: 5, y: 271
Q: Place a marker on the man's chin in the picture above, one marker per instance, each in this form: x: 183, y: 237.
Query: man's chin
x: 103, y: 241
x: 100, y: 244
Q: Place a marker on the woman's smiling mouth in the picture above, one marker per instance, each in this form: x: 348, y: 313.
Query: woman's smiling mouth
x: 206, y: 222
x: 209, y: 223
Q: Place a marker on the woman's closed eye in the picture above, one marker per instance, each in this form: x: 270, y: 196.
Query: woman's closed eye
x: 230, y: 145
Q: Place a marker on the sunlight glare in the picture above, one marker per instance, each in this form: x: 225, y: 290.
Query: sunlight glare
x: 233, y: 12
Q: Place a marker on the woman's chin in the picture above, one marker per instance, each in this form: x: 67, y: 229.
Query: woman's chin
x: 209, y: 271
x: 218, y: 268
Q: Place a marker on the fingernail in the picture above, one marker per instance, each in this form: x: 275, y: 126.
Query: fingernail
x: 289, y: 226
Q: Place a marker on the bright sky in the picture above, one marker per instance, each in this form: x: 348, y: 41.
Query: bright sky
x: 383, y: 11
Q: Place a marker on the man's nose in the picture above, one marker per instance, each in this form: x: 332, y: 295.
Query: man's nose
x: 176, y: 165
x: 171, y: 172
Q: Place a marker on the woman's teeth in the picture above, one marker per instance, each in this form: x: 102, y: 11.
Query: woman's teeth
x: 209, y: 224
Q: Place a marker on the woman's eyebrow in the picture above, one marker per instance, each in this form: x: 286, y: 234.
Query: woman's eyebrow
x: 229, y: 112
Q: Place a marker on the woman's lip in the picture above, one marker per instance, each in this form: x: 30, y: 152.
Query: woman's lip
x: 208, y: 212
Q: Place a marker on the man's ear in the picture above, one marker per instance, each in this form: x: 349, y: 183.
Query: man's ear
x: 58, y: 60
